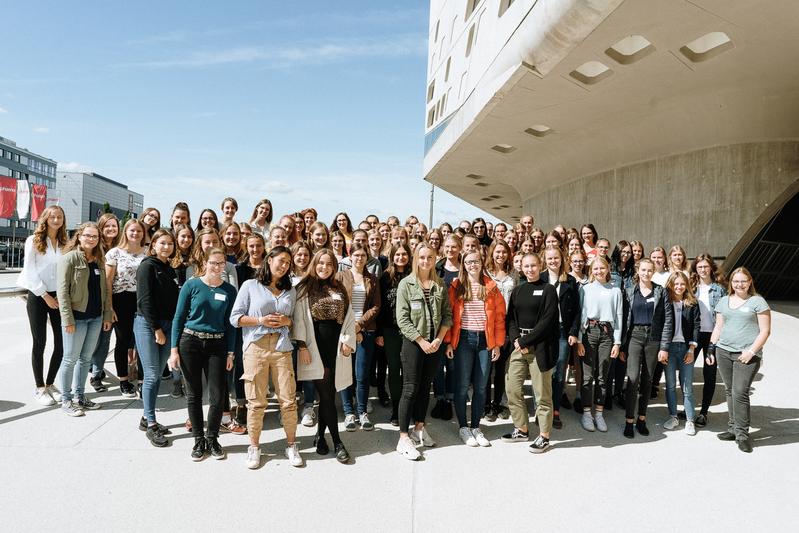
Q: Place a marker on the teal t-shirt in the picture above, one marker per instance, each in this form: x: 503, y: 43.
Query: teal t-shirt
x: 740, y: 324
x: 206, y: 309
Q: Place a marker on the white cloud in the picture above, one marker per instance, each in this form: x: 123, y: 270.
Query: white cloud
x: 41, y: 130
x: 73, y: 166
x: 3, y: 110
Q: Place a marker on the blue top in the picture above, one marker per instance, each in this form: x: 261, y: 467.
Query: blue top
x: 643, y: 308
x: 205, y: 309
x: 256, y: 300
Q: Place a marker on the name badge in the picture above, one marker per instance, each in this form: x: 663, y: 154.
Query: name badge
x: 176, y: 281
x: 220, y: 296
x: 336, y: 296
x: 96, y: 271
x: 745, y: 309
x: 650, y: 300
x: 416, y: 306
x: 538, y: 292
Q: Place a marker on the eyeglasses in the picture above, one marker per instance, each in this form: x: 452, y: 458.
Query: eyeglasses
x: 92, y: 237
x: 216, y: 264
x: 471, y: 262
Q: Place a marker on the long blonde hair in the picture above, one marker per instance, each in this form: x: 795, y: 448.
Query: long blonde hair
x: 688, y: 297
x: 415, y: 267
x: 40, y: 233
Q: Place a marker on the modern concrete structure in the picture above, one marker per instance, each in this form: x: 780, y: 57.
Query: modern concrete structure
x: 664, y: 121
x: 83, y: 196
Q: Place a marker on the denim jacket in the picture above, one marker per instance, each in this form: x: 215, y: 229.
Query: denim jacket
x: 717, y: 292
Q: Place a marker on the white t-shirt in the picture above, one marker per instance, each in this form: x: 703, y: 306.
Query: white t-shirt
x: 705, y: 313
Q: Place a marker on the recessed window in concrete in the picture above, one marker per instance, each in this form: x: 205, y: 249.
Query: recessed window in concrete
x: 431, y: 91
x: 470, y: 40
x: 471, y: 5
x: 495, y: 196
x: 503, y: 6
x: 591, y: 72
x: 481, y: 184
x: 503, y: 148
x: 431, y: 116
x: 630, y: 49
x: 474, y: 176
x: 538, y: 130
x: 707, y: 46
x: 446, y: 70
x: 487, y: 199
x: 438, y: 23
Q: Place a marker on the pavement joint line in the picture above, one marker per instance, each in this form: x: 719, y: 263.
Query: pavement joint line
x: 92, y: 432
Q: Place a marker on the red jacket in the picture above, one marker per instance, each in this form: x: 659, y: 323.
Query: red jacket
x: 495, y: 315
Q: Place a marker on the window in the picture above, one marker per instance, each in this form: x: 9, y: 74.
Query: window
x: 435, y: 37
x: 7, y: 154
x: 16, y: 158
x: 431, y: 91
x: 471, y: 5
x: 503, y: 6
x: 462, y: 86
x: 446, y: 70
x: 431, y: 116
x: 23, y: 159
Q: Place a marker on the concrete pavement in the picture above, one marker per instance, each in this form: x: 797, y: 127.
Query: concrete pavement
x: 100, y: 471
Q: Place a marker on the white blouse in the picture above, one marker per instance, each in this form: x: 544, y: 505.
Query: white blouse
x: 39, y: 270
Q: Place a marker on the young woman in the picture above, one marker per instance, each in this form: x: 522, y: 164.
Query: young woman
x: 363, y: 293
x: 232, y: 243
x: 528, y: 246
x: 517, y: 267
x: 263, y: 310
x: 447, y: 270
x: 229, y: 209
x: 420, y: 231
x: 389, y: 335
x: 202, y: 343
x: 343, y: 225
x: 385, y: 235
x: 261, y: 219
x: 299, y: 229
x: 151, y: 220
x: 339, y: 244
x: 246, y: 230
x: 435, y: 239
x: 537, y: 235
x: 42, y: 252
x: 108, y: 224
x: 445, y: 229
x: 180, y: 215
x: 661, y: 273
x: 743, y: 325
x: 637, y: 248
x: 423, y: 316
x: 556, y: 274
x: 499, y: 269
x: 575, y: 244
x: 184, y: 237
x: 650, y: 326
x: 309, y: 216
x: 577, y: 261
x: 399, y: 236
x: 85, y: 309
x: 553, y: 238
x: 206, y: 240
x: 287, y: 223
x: 301, y: 258
x: 533, y: 330
x: 324, y: 328
x: 681, y: 350
x: 156, y: 298
x: 121, y: 264
x: 708, y: 285
x: 512, y: 241
x: 474, y: 341
x: 319, y: 236
x: 500, y: 230
x: 376, y: 248
x: 208, y: 219
x: 622, y: 265
x: 589, y: 235
x: 678, y: 260
x: 393, y: 222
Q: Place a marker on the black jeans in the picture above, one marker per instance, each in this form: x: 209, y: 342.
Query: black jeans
x: 125, y: 308
x: 498, y: 367
x: 708, y: 372
x: 737, y: 378
x: 38, y: 312
x: 326, y: 333
x: 198, y: 356
x: 641, y: 359
x: 596, y: 363
x: 418, y: 370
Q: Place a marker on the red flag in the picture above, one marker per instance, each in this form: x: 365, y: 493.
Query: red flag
x: 39, y: 194
x: 8, y: 196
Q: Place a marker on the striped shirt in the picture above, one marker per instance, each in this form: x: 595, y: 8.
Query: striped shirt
x: 474, y: 311
x: 358, y: 300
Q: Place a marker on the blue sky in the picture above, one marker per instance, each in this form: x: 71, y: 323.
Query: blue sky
x: 312, y: 103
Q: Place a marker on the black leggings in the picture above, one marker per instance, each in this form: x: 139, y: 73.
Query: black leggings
x: 499, y: 367
x: 708, y: 372
x: 208, y: 356
x: 38, y: 311
x: 125, y: 309
x: 326, y: 333
x: 418, y: 370
x: 379, y: 368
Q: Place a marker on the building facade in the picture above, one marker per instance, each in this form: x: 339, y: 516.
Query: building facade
x: 665, y: 122
x: 84, y: 195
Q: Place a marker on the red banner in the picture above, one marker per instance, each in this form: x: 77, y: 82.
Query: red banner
x: 39, y: 193
x: 8, y: 196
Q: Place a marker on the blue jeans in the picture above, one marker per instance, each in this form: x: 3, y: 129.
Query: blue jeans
x: 472, y: 364
x: 153, y: 359
x: 364, y: 352
x: 559, y: 375
x: 444, y: 380
x: 676, y: 363
x: 101, y: 352
x: 78, y: 350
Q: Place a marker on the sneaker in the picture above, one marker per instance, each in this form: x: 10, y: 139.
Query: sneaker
x: 199, y: 450
x: 671, y: 423
x: 293, y: 455
x: 599, y: 420
x: 349, y: 423
x: 480, y: 438
x: 86, y: 404
x: 406, y: 448
x: 308, y: 416
x: 217, y: 452
x: 539, y: 445
x: 517, y: 435
x: 489, y: 414
x: 321, y: 445
x: 503, y: 412
x: 43, y: 398
x: 139, y: 394
x: 233, y: 427
x: 366, y: 425
x: 177, y: 389
x: 701, y: 420
x: 369, y: 406
x: 557, y: 423
x: 726, y: 435
x: 127, y: 389
x: 143, y: 425
x: 156, y: 438
x: 467, y: 437
x: 690, y: 428
x: 97, y: 384
x: 342, y: 455
x: 423, y: 437
x: 588, y: 421
x: 71, y: 409
x: 745, y: 445
x: 54, y: 393
x: 253, y: 457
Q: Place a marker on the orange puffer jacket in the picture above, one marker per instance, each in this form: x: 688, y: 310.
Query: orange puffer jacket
x: 495, y: 315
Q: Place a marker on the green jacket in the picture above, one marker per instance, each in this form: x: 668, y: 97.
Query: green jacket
x: 413, y: 317
x: 73, y: 287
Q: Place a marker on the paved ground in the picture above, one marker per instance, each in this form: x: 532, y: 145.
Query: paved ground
x: 100, y: 471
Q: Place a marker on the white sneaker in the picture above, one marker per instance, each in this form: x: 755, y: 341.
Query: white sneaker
x: 671, y: 423
x: 349, y: 423
x: 253, y: 457
x: 406, y: 449
x: 293, y: 455
x: 366, y: 424
x: 467, y: 437
x: 690, y: 428
x: 424, y: 438
x: 54, y: 393
x: 588, y: 421
x: 480, y: 438
x: 308, y: 416
x: 369, y: 406
x: 599, y: 420
x: 43, y: 397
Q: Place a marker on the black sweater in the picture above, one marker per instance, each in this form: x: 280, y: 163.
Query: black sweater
x: 156, y: 291
x: 569, y: 302
x: 534, y: 306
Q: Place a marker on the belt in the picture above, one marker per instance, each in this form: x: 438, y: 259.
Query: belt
x: 642, y: 326
x: 592, y: 322
x: 525, y: 331
x: 203, y: 335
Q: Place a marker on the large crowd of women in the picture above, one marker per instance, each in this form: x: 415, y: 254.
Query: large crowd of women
x: 309, y: 312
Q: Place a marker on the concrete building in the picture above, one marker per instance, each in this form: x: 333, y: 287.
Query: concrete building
x: 663, y: 121
x: 22, y: 164
x: 83, y: 196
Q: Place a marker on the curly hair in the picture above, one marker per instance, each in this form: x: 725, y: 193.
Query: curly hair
x: 40, y: 233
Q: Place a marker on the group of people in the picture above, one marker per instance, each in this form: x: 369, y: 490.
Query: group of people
x: 311, y: 311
